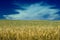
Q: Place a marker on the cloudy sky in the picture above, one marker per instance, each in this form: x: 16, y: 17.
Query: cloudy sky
x: 30, y: 9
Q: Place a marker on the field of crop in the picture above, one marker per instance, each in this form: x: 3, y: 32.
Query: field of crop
x: 29, y: 30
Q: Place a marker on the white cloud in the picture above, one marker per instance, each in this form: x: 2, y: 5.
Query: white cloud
x: 35, y: 12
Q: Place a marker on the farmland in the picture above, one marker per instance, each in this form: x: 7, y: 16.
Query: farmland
x: 29, y: 30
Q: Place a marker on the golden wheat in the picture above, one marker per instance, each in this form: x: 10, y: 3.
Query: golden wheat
x: 29, y: 31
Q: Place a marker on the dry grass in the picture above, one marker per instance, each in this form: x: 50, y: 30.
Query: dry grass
x: 29, y: 30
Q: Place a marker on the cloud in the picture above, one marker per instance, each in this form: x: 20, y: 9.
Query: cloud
x: 37, y: 11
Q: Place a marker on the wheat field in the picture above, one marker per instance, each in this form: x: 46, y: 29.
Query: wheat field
x: 29, y: 30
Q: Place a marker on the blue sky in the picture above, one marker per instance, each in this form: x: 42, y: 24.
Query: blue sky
x: 30, y: 9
